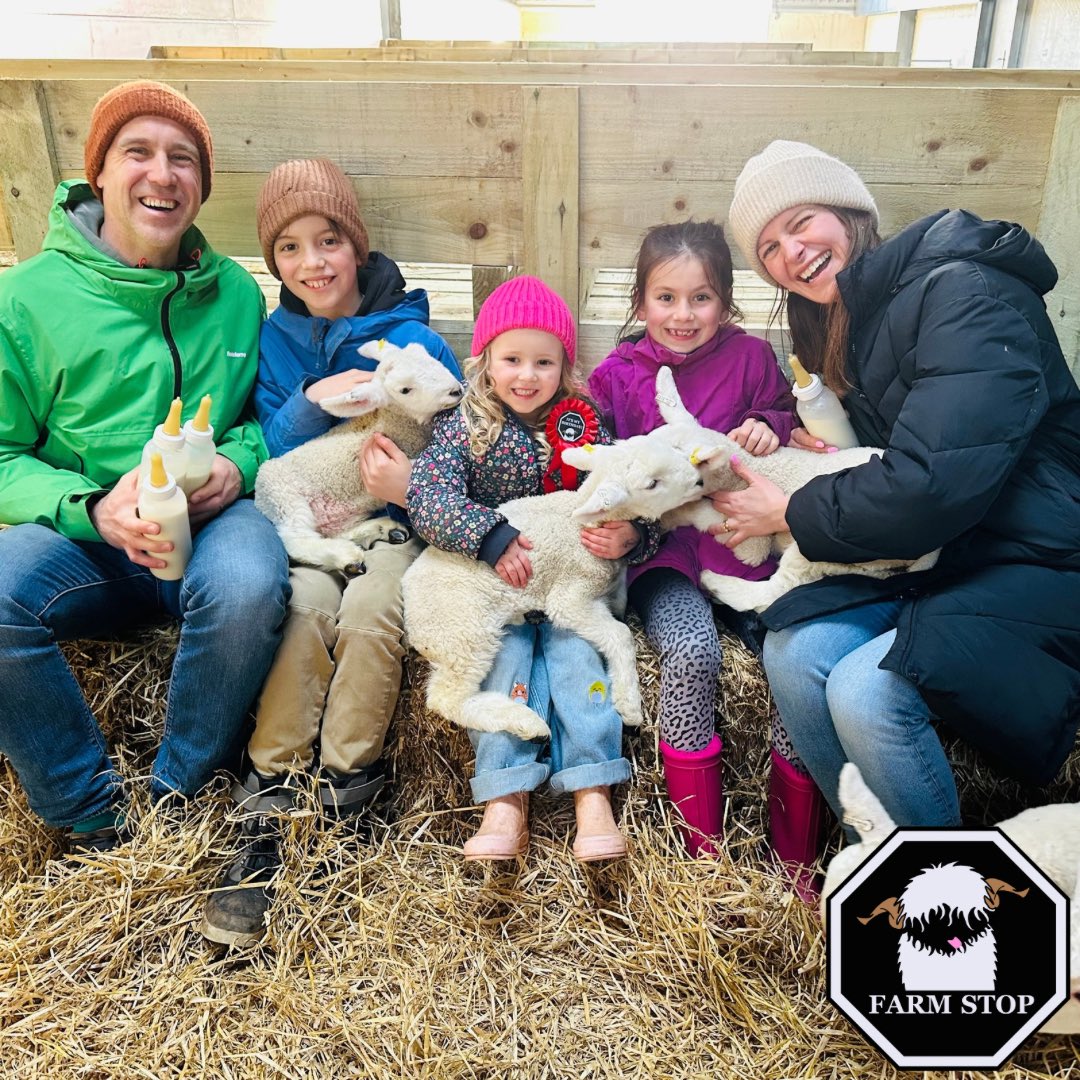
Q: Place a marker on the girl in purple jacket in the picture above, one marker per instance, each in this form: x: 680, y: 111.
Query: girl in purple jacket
x: 731, y: 382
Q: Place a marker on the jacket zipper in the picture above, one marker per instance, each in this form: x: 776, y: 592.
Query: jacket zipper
x: 166, y: 329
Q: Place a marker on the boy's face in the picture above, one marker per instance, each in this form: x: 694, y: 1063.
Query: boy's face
x: 681, y: 310
x: 318, y: 265
x: 151, y: 188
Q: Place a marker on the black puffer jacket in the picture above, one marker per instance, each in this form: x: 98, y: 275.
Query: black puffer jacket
x: 956, y: 370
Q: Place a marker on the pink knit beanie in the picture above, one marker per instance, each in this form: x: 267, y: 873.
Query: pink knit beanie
x: 525, y: 303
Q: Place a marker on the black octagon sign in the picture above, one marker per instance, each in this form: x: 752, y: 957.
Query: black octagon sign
x: 947, y: 948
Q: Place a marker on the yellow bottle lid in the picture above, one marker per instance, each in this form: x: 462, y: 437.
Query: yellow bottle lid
x: 202, y: 417
x: 159, y: 478
x: 172, y: 421
x: 802, y: 379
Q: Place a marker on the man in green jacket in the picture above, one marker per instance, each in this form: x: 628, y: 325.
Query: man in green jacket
x: 125, y: 308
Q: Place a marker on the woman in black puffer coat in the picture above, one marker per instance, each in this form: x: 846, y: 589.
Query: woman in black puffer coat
x: 939, y: 343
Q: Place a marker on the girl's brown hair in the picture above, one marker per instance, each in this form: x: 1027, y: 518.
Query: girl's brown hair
x: 701, y: 240
x: 819, y: 332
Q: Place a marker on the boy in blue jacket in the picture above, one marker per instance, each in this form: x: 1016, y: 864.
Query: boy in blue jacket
x: 335, y: 680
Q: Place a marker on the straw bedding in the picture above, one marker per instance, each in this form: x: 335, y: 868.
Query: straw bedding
x: 387, y: 956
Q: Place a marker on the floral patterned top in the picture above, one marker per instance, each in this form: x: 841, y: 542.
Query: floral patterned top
x: 452, y: 494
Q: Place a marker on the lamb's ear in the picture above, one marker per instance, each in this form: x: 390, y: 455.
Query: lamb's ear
x: 702, y: 455
x: 374, y: 350
x: 360, y: 399
x: 668, y: 401
x: 600, y: 502
x: 862, y: 808
x: 584, y: 457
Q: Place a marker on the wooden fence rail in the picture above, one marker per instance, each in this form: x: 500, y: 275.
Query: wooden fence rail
x: 561, y: 180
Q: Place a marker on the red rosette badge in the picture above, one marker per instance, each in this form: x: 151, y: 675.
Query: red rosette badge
x: 571, y: 423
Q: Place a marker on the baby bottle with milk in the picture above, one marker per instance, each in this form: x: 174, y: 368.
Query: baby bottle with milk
x: 820, y: 410
x: 199, y: 449
x: 162, y: 501
x: 168, y: 441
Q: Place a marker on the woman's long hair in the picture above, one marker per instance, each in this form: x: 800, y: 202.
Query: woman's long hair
x: 485, y: 414
x: 819, y: 332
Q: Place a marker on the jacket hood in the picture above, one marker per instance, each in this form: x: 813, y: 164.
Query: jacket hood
x: 944, y: 237
x: 65, y: 237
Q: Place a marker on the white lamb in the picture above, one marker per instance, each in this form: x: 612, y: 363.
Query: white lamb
x: 456, y: 608
x: 789, y: 469
x: 315, y: 495
x: 1048, y: 835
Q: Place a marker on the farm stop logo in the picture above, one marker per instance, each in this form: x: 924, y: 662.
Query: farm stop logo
x: 947, y: 948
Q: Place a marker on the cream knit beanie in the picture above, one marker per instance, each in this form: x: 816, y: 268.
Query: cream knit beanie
x: 786, y: 174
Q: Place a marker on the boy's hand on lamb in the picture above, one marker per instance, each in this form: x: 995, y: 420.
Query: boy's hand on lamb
x: 612, y: 540
x: 333, y: 385
x: 221, y: 489
x: 755, y: 437
x: 801, y: 439
x: 514, y: 565
x: 385, y: 469
x: 757, y: 510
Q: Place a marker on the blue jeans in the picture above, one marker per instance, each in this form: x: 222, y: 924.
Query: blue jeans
x: 838, y: 706
x: 565, y: 682
x: 231, y: 603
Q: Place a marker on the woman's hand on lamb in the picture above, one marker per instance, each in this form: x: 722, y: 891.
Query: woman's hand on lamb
x: 757, y: 510
x: 514, y: 565
x: 611, y: 540
x: 385, y: 469
x: 801, y: 439
x: 755, y: 437
x: 333, y: 385
x: 221, y: 489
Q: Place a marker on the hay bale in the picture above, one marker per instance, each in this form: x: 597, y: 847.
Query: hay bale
x: 387, y: 955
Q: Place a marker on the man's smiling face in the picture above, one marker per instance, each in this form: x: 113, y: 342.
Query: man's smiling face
x: 151, y: 187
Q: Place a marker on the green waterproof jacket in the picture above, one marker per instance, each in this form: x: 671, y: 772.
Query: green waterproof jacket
x: 91, y: 354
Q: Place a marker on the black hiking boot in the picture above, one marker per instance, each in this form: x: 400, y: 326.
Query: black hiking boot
x: 236, y: 910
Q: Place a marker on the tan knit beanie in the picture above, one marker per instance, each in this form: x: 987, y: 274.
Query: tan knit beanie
x: 128, y: 100
x: 309, y: 186
x: 783, y: 175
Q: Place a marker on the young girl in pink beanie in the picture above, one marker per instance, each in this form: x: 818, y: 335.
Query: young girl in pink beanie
x: 521, y: 408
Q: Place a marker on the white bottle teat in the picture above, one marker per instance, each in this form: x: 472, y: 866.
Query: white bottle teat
x: 161, y: 501
x: 820, y: 409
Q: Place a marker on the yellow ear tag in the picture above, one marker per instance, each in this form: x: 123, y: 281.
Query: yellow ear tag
x: 589, y: 448
x: 382, y: 344
x: 694, y: 459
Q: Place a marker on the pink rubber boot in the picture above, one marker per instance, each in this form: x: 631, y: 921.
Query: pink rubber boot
x: 695, y: 784
x: 795, y: 825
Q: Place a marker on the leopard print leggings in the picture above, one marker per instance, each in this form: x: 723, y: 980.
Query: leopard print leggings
x: 679, y: 621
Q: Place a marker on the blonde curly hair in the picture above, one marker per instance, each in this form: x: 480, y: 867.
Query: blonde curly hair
x: 485, y: 414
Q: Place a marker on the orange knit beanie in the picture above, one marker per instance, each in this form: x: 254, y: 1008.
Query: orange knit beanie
x: 131, y: 99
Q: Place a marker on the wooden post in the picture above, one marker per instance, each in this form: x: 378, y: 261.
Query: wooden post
x: 550, y: 197
x: 1059, y: 227
x: 390, y: 11
x: 28, y: 172
x: 485, y: 280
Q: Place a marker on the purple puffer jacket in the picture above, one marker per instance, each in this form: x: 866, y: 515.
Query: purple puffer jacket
x: 730, y: 379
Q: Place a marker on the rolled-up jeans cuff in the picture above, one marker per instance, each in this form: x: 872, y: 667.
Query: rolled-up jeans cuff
x: 493, y: 785
x: 601, y: 774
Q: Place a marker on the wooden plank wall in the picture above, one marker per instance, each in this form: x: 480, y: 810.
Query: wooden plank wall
x: 563, y: 180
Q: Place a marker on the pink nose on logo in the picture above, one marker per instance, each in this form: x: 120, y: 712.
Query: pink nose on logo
x: 955, y: 942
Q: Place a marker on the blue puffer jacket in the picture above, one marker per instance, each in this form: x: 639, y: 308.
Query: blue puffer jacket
x: 956, y: 371
x: 297, y: 349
